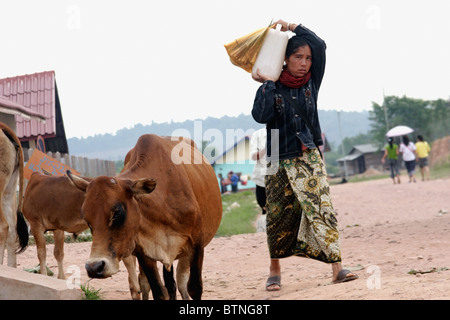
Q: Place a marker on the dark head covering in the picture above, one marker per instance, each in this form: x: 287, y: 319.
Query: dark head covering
x: 294, y: 43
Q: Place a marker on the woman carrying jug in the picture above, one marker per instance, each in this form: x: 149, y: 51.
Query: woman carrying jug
x: 300, y: 216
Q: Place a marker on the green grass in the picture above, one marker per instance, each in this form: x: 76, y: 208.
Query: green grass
x: 439, y: 171
x: 359, y: 178
x: 85, y: 236
x: 436, y: 172
x: 90, y: 293
x: 238, y: 220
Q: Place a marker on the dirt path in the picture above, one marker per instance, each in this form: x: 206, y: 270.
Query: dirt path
x: 386, y: 231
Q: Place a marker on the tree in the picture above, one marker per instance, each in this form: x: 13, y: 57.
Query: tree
x: 440, y: 125
x: 208, y: 150
x: 414, y: 113
x: 361, y: 138
x: 119, y: 166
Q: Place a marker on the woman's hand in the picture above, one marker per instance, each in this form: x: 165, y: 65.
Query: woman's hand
x: 261, y: 77
x: 285, y: 26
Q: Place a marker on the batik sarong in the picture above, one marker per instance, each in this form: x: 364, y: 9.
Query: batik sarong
x: 300, y: 216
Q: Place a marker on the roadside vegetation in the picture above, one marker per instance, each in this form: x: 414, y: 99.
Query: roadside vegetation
x: 240, y: 211
x: 90, y: 293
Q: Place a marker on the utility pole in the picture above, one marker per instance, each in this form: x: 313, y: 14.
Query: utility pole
x: 342, y: 147
x: 385, y: 112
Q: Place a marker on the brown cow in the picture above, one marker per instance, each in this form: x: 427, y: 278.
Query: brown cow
x: 12, y: 224
x: 53, y: 204
x: 165, y: 205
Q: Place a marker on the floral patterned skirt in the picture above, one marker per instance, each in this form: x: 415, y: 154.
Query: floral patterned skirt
x: 300, y: 216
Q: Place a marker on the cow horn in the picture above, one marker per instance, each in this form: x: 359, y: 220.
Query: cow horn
x: 80, y: 183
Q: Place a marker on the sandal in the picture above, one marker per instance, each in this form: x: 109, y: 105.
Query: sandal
x: 273, y: 280
x: 342, y: 276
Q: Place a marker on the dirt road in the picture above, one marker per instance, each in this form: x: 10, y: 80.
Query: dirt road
x: 386, y: 231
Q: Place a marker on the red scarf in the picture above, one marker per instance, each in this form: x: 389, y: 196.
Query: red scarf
x: 287, y: 79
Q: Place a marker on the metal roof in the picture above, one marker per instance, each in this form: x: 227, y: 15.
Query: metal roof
x: 359, y: 150
x: 10, y: 107
x: 349, y: 157
x: 36, y: 92
x: 214, y: 161
x: 365, y: 148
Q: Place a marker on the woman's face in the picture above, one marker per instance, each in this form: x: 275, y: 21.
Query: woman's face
x: 299, y: 63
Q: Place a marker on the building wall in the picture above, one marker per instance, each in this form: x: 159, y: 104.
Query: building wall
x: 373, y: 160
x: 239, y: 154
x: 238, y: 160
x: 9, y: 120
x: 352, y: 167
x: 244, y: 169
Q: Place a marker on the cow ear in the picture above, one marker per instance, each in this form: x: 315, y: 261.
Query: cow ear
x: 78, y: 182
x: 143, y: 186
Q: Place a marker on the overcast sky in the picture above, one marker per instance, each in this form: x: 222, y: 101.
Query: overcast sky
x: 119, y: 63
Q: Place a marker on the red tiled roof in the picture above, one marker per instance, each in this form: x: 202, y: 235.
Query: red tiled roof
x: 10, y: 107
x: 36, y: 92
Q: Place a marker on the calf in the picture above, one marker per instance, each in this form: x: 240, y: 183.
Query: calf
x: 53, y: 204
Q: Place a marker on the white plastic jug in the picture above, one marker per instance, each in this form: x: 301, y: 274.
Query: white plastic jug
x: 270, y: 59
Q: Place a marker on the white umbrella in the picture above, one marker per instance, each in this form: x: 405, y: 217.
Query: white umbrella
x: 399, y: 131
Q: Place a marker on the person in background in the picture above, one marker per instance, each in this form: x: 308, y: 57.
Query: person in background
x: 423, y: 149
x: 223, y: 184
x: 300, y: 219
x: 408, y: 151
x: 391, y: 153
x: 258, y: 154
x: 234, y: 179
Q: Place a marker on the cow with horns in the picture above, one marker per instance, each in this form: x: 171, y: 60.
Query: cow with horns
x: 164, y: 206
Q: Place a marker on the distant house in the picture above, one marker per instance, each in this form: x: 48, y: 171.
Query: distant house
x: 236, y: 159
x: 361, y: 158
x: 30, y: 98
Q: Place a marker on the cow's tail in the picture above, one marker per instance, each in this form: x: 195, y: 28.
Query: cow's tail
x: 22, y: 227
x: 22, y: 232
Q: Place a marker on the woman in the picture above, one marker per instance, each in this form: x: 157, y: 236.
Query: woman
x: 408, y: 151
x: 422, y: 151
x: 300, y: 216
x: 391, y: 152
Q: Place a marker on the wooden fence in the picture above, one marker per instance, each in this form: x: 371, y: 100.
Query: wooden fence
x: 86, y: 167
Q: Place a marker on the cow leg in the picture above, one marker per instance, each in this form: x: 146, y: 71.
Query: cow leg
x: 58, y: 252
x: 38, y: 233
x: 151, y: 272
x: 170, y: 283
x: 183, y: 277
x: 10, y: 216
x: 3, y: 231
x: 195, y: 283
x: 143, y: 284
x: 130, y: 264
